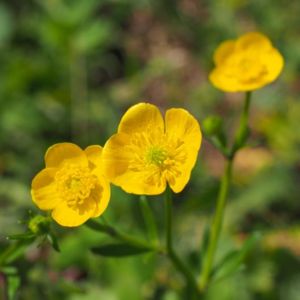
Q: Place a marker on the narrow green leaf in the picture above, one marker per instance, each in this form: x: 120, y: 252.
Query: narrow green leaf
x: 8, y: 270
x: 94, y: 34
x: 119, y: 250
x: 233, y: 261
x: 97, y: 226
x: 149, y: 219
x: 21, y: 236
x: 14, y: 251
x: 53, y: 241
x: 204, y: 243
x: 13, y: 283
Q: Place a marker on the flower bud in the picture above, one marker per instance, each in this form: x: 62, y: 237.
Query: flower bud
x: 39, y: 224
x: 212, y: 125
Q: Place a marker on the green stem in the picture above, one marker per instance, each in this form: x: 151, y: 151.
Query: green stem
x: 14, y: 251
x: 149, y: 220
x: 216, y: 225
x: 123, y: 237
x: 177, y: 262
x: 168, y: 218
x: 239, y: 141
x: 243, y: 130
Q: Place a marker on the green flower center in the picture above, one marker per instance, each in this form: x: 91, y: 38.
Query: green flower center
x: 75, y: 184
x: 156, y: 155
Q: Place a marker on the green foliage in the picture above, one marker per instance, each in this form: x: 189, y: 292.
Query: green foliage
x: 119, y: 250
x: 69, y: 69
x: 233, y: 261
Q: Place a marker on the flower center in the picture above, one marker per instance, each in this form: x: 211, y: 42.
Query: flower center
x: 156, y: 155
x: 75, y: 184
x: 249, y: 67
x: 164, y: 163
x: 246, y: 64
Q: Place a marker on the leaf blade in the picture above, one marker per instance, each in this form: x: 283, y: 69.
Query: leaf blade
x: 120, y: 250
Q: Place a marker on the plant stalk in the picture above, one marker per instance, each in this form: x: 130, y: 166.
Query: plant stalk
x: 123, y: 237
x: 174, y: 258
x: 149, y: 220
x: 239, y: 142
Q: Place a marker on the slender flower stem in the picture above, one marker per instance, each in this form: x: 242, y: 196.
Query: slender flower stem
x: 243, y: 130
x: 123, y: 237
x: 239, y: 141
x: 14, y: 251
x: 149, y: 220
x: 216, y: 225
x: 169, y: 219
x: 177, y: 262
x: 168, y: 251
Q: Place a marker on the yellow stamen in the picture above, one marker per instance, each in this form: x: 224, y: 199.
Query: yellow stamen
x: 75, y: 184
x: 156, y: 155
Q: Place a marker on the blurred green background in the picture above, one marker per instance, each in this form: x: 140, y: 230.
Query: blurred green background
x: 68, y: 71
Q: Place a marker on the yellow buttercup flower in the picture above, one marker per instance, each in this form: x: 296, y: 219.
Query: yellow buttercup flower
x: 148, y: 152
x: 72, y: 185
x: 246, y: 64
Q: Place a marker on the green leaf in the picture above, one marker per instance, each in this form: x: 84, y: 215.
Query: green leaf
x: 93, y: 35
x: 95, y: 225
x: 21, y: 236
x: 204, y: 243
x: 119, y: 250
x: 8, y: 270
x: 53, y: 241
x: 241, y: 138
x: 14, y: 251
x: 233, y: 261
x: 6, y: 25
x: 13, y: 282
x: 12, y: 279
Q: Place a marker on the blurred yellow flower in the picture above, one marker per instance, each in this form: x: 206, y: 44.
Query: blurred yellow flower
x: 72, y: 185
x: 148, y: 152
x: 246, y: 64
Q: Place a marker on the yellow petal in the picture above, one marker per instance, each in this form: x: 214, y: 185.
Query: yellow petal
x: 223, y: 51
x: 251, y: 86
x: 182, y: 126
x: 100, y: 195
x: 71, y: 217
x: 117, y: 157
x: 94, y: 155
x: 43, y: 189
x: 136, y: 183
x: 218, y: 77
x: 253, y: 40
x: 274, y: 63
x: 62, y: 152
x: 141, y: 117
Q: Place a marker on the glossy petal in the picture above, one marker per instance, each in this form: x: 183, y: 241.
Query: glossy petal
x: 223, y: 82
x: 70, y: 217
x: 182, y: 126
x: 117, y: 156
x: 59, y: 153
x: 141, y: 117
x: 223, y: 51
x: 100, y: 195
x: 43, y: 189
x: 136, y: 183
x: 94, y: 155
x: 248, y: 64
x: 274, y: 63
x: 253, y: 40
